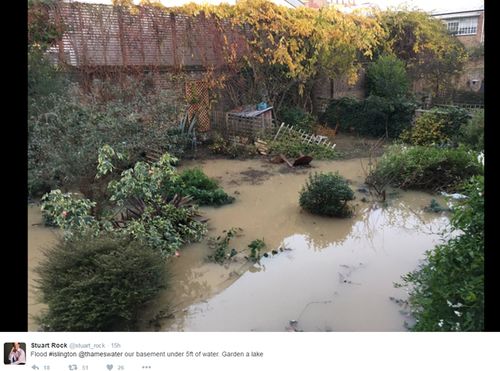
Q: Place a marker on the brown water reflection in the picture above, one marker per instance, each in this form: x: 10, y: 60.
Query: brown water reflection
x: 332, y: 275
x: 369, y: 251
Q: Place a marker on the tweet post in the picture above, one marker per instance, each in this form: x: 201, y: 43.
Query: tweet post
x: 230, y: 351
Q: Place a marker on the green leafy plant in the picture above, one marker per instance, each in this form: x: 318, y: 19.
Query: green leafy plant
x: 428, y: 129
x: 428, y: 168
x: 220, y: 244
x: 105, y: 160
x: 447, y: 290
x: 297, y: 117
x: 226, y: 147
x: 68, y: 211
x: 326, y: 194
x: 255, y: 247
x: 161, y: 224
x: 143, y: 208
x: 387, y: 77
x: 472, y: 133
x: 203, y: 190
x: 375, y: 116
x: 437, y: 126
x: 97, y: 283
x: 67, y: 130
x: 152, y: 214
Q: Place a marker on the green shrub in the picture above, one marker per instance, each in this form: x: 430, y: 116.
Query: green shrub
x: 387, y: 77
x: 142, y: 207
x: 472, y: 133
x: 447, y: 290
x: 97, y: 284
x: 292, y: 146
x: 374, y: 116
x: 454, y: 118
x: 428, y: 129
x: 43, y: 80
x: 226, y: 147
x: 155, y: 216
x: 428, y: 168
x: 205, y: 191
x: 326, y: 194
x: 65, y: 134
x: 255, y: 246
x: 220, y: 245
x: 66, y: 210
x: 297, y: 117
x: 437, y: 126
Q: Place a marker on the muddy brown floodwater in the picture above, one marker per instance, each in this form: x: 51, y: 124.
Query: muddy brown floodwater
x: 39, y: 239
x: 328, y: 274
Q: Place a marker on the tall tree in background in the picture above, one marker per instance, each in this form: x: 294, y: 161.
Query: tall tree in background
x: 424, y: 44
x: 43, y: 32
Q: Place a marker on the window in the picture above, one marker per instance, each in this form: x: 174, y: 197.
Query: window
x: 453, y: 27
x: 462, y: 26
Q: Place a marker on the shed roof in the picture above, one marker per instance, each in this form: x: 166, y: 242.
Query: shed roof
x: 250, y: 112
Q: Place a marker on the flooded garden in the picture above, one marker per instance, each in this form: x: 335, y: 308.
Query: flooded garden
x: 320, y: 273
x: 216, y: 168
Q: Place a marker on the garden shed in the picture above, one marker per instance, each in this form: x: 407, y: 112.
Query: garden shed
x: 245, y: 121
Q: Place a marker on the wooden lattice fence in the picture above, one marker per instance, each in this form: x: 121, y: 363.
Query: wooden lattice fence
x: 304, y: 137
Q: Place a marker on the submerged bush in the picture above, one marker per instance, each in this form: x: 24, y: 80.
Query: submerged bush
x: 326, y: 194
x: 97, y: 284
x: 447, y: 291
x: 428, y: 168
x: 143, y: 207
x: 220, y: 245
x: 151, y: 213
x: 205, y: 191
x: 66, y: 210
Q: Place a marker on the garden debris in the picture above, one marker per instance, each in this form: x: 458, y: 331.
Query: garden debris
x: 302, y: 160
x: 455, y: 196
x: 277, y: 159
x: 435, y: 207
x: 286, y: 160
x: 262, y: 147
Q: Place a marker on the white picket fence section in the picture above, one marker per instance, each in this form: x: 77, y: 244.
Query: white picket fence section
x: 305, y: 137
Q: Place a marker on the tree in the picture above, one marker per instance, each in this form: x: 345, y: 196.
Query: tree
x: 387, y: 77
x: 285, y: 49
x: 424, y: 44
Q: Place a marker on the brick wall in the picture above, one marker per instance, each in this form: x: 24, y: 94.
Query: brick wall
x: 326, y: 89
x: 471, y: 41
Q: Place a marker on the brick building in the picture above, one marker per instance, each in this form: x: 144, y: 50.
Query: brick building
x: 468, y: 27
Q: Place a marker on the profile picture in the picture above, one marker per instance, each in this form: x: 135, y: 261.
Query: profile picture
x: 14, y: 353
